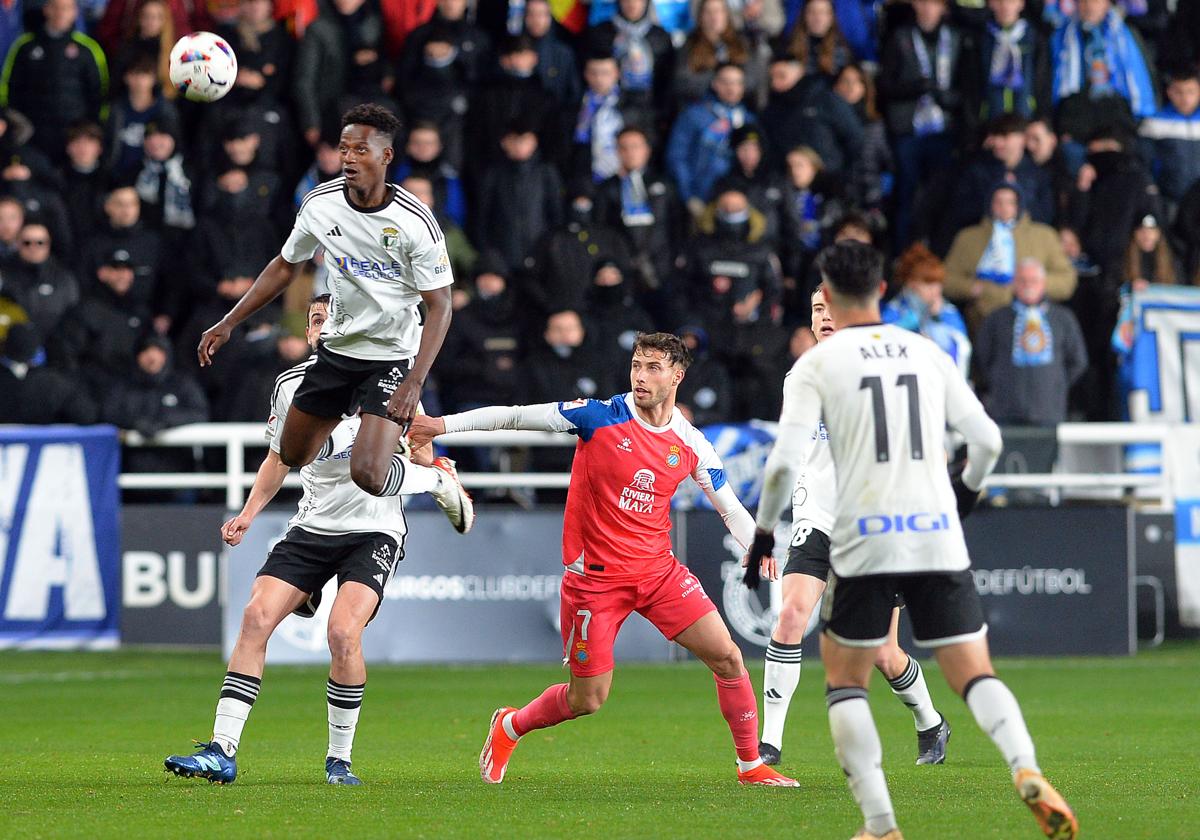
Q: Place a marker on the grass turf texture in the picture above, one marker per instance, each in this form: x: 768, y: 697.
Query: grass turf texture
x: 84, y: 736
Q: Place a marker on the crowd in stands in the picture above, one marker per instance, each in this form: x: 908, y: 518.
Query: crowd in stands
x: 627, y: 165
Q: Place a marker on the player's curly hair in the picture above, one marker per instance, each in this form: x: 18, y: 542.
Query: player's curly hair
x: 672, y: 345
x: 375, y: 116
x: 851, y: 269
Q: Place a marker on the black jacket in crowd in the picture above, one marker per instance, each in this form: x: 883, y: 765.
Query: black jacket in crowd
x: 482, y: 357
x: 55, y: 80
x: 810, y: 114
x: 45, y: 290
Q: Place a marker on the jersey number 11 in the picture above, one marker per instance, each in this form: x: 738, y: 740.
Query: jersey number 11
x: 875, y: 385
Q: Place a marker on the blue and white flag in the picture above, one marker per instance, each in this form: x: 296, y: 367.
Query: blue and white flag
x: 743, y: 448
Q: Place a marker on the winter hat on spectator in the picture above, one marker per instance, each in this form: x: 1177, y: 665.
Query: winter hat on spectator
x: 490, y: 261
x: 1148, y: 221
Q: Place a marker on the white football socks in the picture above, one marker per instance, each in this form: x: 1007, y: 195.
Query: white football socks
x: 910, y: 687
x: 238, y: 693
x: 999, y: 716
x: 860, y: 753
x: 780, y: 678
x: 345, y: 702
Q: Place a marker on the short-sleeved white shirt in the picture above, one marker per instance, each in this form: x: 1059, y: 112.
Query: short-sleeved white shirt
x: 379, y: 261
x: 887, y: 396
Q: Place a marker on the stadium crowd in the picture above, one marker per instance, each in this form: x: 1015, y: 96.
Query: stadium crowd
x: 599, y: 170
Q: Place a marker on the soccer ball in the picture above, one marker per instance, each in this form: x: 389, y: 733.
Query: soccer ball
x: 203, y: 66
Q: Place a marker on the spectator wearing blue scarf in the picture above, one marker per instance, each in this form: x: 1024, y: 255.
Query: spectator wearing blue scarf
x: 921, y: 308
x: 984, y: 257
x: 1029, y: 354
x: 1101, y: 75
x: 699, y: 149
x: 1015, y: 60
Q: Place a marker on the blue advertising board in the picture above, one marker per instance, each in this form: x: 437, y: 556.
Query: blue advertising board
x: 59, y: 537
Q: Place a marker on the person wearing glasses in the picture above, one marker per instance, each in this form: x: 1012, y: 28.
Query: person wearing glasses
x: 38, y: 281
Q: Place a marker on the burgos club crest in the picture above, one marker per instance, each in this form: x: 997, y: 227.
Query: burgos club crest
x: 673, y: 457
x: 390, y: 237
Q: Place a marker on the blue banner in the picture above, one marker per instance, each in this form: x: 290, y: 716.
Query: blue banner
x: 1159, y: 363
x: 743, y: 448
x: 59, y: 537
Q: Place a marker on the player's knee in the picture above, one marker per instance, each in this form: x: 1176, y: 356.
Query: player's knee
x: 891, y: 661
x: 792, y: 623
x: 257, y: 621
x: 728, y: 664
x: 586, y: 702
x: 369, y: 477
x: 292, y: 456
x: 344, y: 639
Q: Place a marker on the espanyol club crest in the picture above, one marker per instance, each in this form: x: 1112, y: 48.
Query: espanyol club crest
x: 390, y: 237
x: 673, y: 456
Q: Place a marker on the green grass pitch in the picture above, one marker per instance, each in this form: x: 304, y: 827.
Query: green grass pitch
x: 83, y: 736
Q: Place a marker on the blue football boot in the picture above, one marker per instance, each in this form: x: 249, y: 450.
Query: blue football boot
x: 209, y: 762
x: 338, y: 772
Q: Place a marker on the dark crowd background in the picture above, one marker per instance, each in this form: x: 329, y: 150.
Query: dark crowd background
x: 598, y: 170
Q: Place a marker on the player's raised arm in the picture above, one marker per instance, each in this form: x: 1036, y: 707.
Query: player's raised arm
x: 270, y: 282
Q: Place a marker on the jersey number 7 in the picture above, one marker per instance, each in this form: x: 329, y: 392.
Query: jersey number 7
x: 875, y: 385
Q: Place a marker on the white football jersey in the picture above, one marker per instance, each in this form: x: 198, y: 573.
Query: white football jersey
x: 815, y: 496
x: 378, y: 262
x: 888, y: 395
x: 332, y: 503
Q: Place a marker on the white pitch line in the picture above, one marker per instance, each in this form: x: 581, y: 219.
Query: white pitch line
x: 68, y: 676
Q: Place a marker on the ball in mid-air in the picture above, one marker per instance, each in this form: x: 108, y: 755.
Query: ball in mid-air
x: 203, y: 66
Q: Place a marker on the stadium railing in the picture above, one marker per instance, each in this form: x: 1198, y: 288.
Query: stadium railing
x: 236, y: 438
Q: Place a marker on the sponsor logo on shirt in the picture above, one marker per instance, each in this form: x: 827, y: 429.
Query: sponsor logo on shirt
x: 369, y: 269
x: 873, y: 526
x: 638, y: 497
x: 626, y: 445
x: 443, y: 263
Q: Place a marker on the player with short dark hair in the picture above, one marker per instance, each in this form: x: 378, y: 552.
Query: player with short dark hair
x: 804, y: 577
x: 889, y: 395
x: 386, y: 256
x: 338, y: 531
x: 633, y: 452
